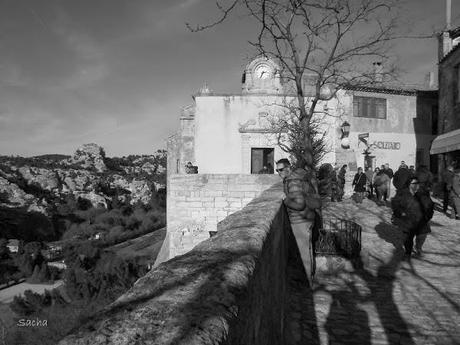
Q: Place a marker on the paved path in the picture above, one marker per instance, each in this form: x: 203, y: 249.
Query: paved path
x: 380, y: 299
x: 7, y: 295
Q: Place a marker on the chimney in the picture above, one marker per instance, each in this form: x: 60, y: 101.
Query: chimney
x: 445, y: 40
x: 378, y: 72
x: 448, y: 14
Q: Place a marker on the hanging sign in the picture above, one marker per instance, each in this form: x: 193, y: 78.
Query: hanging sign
x: 387, y: 145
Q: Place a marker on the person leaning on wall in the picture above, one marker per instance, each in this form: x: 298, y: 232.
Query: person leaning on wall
x: 303, y: 203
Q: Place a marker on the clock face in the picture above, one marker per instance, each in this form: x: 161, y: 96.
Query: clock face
x: 263, y: 71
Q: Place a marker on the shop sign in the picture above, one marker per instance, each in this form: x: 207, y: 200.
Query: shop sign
x: 387, y: 145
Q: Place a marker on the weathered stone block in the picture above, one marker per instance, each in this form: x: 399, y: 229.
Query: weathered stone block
x: 220, y: 204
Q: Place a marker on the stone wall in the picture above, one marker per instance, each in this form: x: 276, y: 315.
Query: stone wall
x: 230, y: 289
x: 196, y: 203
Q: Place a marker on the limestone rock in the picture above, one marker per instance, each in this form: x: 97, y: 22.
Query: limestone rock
x: 45, y: 178
x: 140, y: 189
x: 12, y: 195
x: 96, y: 199
x: 90, y: 156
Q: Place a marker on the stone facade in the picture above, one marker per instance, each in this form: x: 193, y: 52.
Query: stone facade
x: 220, y: 131
x: 449, y: 100
x: 196, y: 203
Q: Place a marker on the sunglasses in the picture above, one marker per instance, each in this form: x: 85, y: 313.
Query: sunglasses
x: 280, y: 170
x: 414, y: 183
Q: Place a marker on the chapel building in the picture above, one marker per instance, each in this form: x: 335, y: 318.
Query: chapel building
x: 365, y: 126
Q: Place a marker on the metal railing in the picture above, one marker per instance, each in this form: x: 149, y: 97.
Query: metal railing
x: 339, y: 237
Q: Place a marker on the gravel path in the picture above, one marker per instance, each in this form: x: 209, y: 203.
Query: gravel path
x: 379, y: 298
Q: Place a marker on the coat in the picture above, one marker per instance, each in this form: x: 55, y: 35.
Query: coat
x: 369, y: 174
x: 388, y: 172
x: 381, y: 181
x: 302, y: 198
x: 341, y: 177
x: 427, y: 208
x: 407, y: 210
x: 425, y: 178
x: 401, y: 178
x: 359, y: 181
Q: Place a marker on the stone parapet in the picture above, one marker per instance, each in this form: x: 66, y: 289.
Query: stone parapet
x: 197, y: 202
x: 229, y: 289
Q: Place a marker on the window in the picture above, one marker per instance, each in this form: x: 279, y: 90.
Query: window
x: 434, y: 119
x: 262, y: 160
x: 372, y: 107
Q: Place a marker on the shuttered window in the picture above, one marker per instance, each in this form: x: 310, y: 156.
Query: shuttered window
x: 372, y: 107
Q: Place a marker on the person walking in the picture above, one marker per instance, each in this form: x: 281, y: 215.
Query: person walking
x: 425, y: 178
x: 401, y: 176
x: 303, y: 205
x: 407, y: 212
x: 455, y: 196
x: 389, y: 172
x: 380, y: 182
x: 369, y: 177
x: 359, y: 183
x: 447, y: 176
x: 341, y: 181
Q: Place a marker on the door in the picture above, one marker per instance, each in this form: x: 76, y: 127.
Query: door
x: 262, y: 160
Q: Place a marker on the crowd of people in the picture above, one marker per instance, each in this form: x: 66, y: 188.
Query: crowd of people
x: 412, y: 205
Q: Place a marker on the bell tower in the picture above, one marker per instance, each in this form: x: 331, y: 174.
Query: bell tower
x: 261, y: 75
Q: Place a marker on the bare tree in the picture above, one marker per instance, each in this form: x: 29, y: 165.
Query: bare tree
x: 331, y: 41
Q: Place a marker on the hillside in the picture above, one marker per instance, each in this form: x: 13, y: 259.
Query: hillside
x: 46, y: 193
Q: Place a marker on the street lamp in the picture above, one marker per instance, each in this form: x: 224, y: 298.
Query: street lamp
x: 345, y: 142
x: 345, y: 127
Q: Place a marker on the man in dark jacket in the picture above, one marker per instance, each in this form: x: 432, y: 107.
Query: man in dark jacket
x: 401, y: 177
x: 303, y: 203
x: 407, y: 212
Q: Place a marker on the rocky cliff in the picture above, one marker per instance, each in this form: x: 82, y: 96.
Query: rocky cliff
x: 40, y: 184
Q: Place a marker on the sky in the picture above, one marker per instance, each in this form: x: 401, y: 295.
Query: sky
x: 117, y: 72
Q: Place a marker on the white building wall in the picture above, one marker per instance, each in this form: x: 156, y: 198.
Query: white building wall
x: 220, y: 147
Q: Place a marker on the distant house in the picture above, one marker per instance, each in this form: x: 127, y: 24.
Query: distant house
x: 58, y: 264
x: 13, y: 245
x: 52, y: 251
